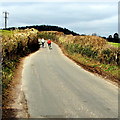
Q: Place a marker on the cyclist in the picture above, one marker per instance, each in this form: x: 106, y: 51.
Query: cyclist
x: 43, y: 41
x: 49, y: 43
x: 40, y: 42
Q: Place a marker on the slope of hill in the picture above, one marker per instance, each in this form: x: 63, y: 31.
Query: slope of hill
x: 46, y: 28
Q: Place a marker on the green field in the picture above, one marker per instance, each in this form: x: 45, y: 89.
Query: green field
x: 5, y: 32
x: 114, y: 44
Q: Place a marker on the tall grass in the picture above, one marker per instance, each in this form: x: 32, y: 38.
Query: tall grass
x: 16, y: 44
x: 18, y: 41
x: 94, y: 47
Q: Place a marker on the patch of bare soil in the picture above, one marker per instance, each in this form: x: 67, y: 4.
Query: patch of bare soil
x: 14, y: 104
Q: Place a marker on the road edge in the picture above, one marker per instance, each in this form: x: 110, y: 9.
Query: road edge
x: 15, y: 103
x: 93, y: 71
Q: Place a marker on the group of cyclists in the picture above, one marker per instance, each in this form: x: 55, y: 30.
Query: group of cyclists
x: 42, y: 43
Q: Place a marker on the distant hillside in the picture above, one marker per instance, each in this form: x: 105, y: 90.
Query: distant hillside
x: 46, y: 28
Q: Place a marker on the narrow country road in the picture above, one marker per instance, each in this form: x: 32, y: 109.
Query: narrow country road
x: 56, y: 87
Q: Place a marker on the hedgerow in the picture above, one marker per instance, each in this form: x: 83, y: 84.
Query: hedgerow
x: 91, y: 46
x: 16, y: 44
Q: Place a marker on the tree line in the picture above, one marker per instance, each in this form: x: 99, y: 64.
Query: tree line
x: 115, y: 38
x: 46, y: 28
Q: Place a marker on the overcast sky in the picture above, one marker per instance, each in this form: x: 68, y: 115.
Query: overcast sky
x: 81, y: 17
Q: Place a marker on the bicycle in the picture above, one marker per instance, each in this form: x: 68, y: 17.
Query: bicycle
x: 49, y: 46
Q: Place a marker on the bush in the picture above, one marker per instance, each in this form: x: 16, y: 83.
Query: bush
x: 106, y: 52
x: 47, y: 35
x: 16, y: 44
x: 87, y: 51
x: 18, y: 41
x: 91, y: 46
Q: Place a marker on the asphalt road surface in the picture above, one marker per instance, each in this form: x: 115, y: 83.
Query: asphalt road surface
x: 56, y: 87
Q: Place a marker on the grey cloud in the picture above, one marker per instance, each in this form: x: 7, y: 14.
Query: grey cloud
x: 8, y: 4
x: 70, y: 15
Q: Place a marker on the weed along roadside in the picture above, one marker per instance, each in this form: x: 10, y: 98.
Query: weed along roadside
x: 93, y: 53
x: 16, y: 45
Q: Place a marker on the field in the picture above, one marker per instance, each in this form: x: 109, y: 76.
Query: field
x: 114, y: 44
